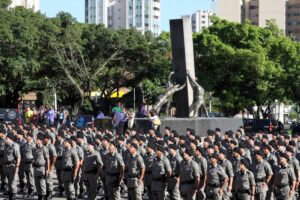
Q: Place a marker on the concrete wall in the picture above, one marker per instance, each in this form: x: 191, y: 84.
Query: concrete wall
x: 201, y: 125
x: 229, y: 10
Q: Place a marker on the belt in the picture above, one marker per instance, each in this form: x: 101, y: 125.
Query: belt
x: 187, y: 182
x: 113, y: 174
x: 244, y: 191
x: 162, y: 179
x: 27, y: 162
x: 10, y: 162
x: 214, y: 185
x: 67, y: 169
x: 150, y: 172
x: 259, y: 180
x: 93, y: 171
x: 37, y: 166
x: 282, y: 186
x: 133, y: 176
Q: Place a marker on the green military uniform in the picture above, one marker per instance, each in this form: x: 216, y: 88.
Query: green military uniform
x: 114, y: 163
x: 188, y: 171
x: 92, y: 162
x: 173, y: 186
x: 49, y: 179
x: 284, y: 175
x: 215, y: 176
x: 59, y: 147
x: 244, y: 181
x: 160, y: 168
x: 148, y: 160
x: 40, y: 165
x: 12, y: 153
x: 227, y: 166
x: 69, y: 161
x: 26, y: 161
x: 80, y: 154
x: 134, y: 165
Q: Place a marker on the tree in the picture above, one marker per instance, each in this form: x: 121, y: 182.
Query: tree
x: 242, y: 64
x: 5, y: 3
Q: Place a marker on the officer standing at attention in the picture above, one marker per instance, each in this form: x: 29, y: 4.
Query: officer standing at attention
x: 59, y: 147
x: 285, y: 179
x: 26, y: 160
x: 41, y: 165
x: 263, y: 174
x: 244, y: 182
x: 12, y: 159
x: 2, y: 161
x: 92, y: 165
x: 173, y: 182
x: 216, y: 179
x: 135, y: 172
x: 227, y: 166
x: 115, y: 168
x: 189, y: 176
x: 52, y: 157
x: 70, y: 165
x: 148, y: 159
x: 161, y: 171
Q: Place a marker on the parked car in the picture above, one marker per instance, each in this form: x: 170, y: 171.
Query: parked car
x: 267, y: 125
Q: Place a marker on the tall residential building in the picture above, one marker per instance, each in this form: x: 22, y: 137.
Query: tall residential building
x: 29, y: 4
x: 257, y: 11
x: 144, y: 15
x: 293, y: 19
x: 200, y: 20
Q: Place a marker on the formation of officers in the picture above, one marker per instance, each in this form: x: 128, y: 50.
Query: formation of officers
x: 155, y: 166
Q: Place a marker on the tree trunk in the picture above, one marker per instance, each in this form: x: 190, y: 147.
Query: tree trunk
x: 12, y: 98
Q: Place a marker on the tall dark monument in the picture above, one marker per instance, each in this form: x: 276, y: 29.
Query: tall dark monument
x: 183, y: 61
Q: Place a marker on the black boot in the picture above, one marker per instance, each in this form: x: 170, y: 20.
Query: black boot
x: 48, y: 195
x: 60, y: 192
x: 12, y: 197
x: 30, y: 193
x: 41, y: 197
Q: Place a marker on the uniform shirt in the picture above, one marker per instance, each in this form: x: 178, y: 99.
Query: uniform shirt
x: 215, y: 175
x: 134, y: 166
x: 244, y: 181
x: 148, y: 160
x: 236, y: 164
x: 261, y: 170
x: 79, y: 152
x: 188, y: 171
x: 202, y: 163
x: 2, y: 151
x: 227, y: 166
x: 113, y: 163
x: 92, y: 161
x: 27, y: 152
x: 160, y: 168
x: 284, y: 175
x: 294, y: 163
x: 69, y: 159
x: 272, y: 160
x: 51, y: 150
x: 175, y: 164
x: 40, y: 156
x: 12, y: 153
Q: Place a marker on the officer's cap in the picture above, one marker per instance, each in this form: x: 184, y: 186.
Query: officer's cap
x: 10, y: 136
x: 69, y: 140
x: 134, y: 145
x: 116, y: 143
x: 260, y: 153
x: 73, y: 138
x: 233, y: 142
x: 229, y: 133
x: 194, y: 142
x: 158, y: 134
x: 172, y: 140
x: 40, y: 136
x: 210, y: 132
x: 20, y: 132
x: 223, y: 151
x: 61, y: 133
x: 267, y: 147
x: 151, y: 146
x: 168, y: 128
x: 275, y: 134
x: 189, y: 152
x: 245, y: 162
x: 218, y: 130
x: 80, y: 134
x: 292, y: 143
x: 289, y: 149
x: 281, y: 143
x: 47, y: 136
x: 210, y: 147
x: 192, y: 131
x: 90, y: 141
x: 215, y: 156
x: 257, y: 143
x: 284, y: 155
x: 99, y: 137
x: 160, y: 148
x: 143, y: 138
x: 173, y: 146
x: 175, y: 133
x: 217, y: 143
x: 237, y: 150
x: 200, y: 149
x: 182, y: 137
x: 160, y: 142
x: 198, y: 137
x: 207, y: 140
x: 265, y: 137
x: 121, y: 138
x: 29, y: 135
x: 287, y: 137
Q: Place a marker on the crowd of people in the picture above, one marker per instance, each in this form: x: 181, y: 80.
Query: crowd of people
x: 152, y: 165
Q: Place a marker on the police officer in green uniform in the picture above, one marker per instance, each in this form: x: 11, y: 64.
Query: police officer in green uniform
x: 202, y: 163
x: 189, y: 176
x: 26, y: 161
x: 2, y: 161
x: 285, y: 179
x: 244, y: 182
x: 92, y: 166
x: 114, y: 172
x: 161, y: 171
x: 216, y: 179
x: 148, y: 159
x: 41, y: 165
x: 59, y: 147
x: 173, y: 182
x: 135, y: 173
x: 12, y: 159
x: 263, y: 174
x: 227, y: 166
x: 52, y: 156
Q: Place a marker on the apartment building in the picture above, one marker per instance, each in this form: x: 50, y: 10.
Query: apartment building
x: 286, y: 13
x: 200, y: 20
x: 29, y: 4
x: 144, y: 15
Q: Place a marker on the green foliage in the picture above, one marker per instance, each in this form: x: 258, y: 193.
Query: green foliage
x: 244, y: 65
x: 4, y: 3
